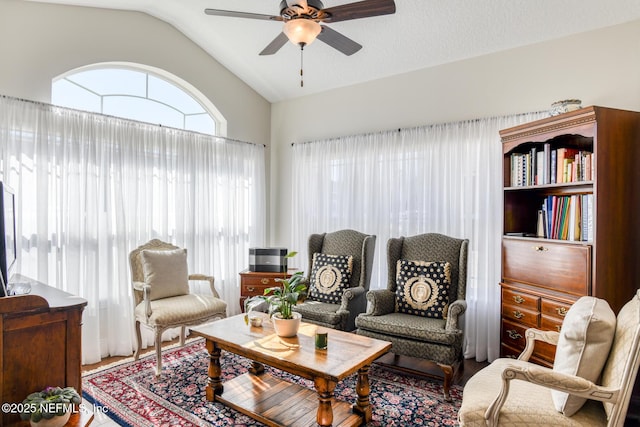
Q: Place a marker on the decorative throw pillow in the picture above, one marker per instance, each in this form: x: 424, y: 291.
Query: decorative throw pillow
x: 422, y: 288
x: 330, y: 276
x: 166, y: 272
x: 585, y: 339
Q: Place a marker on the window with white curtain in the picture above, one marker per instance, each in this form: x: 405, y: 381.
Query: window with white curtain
x: 440, y: 178
x: 90, y: 188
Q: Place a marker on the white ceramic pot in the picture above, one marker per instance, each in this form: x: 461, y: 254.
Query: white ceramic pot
x: 286, y: 327
x: 52, y: 422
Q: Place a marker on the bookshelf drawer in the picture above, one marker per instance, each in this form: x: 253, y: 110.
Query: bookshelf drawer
x: 554, y: 309
x: 513, y: 335
x: 521, y: 315
x: 514, y: 353
x: 548, y: 264
x: 550, y: 323
x: 519, y: 299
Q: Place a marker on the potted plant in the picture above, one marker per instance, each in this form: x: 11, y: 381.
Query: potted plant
x: 50, y: 407
x: 282, y: 299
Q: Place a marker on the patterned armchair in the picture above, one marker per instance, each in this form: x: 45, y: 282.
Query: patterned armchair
x: 416, y: 313
x: 347, y: 304
x: 162, y: 297
x: 493, y: 398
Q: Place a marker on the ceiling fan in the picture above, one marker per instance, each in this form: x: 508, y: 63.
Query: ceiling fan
x: 302, y: 22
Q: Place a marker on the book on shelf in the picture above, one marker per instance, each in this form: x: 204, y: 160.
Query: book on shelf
x: 545, y: 165
x: 546, y: 172
x: 566, y: 217
x: 540, y: 168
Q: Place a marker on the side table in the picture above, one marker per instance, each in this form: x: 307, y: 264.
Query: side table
x: 254, y: 283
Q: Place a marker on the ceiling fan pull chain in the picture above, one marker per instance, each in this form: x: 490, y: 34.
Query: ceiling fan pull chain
x: 301, y: 64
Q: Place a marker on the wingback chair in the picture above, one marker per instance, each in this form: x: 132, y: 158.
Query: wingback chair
x: 338, y: 308
x: 610, y: 354
x: 162, y: 298
x: 419, y: 311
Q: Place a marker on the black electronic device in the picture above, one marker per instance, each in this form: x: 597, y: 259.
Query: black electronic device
x: 268, y: 260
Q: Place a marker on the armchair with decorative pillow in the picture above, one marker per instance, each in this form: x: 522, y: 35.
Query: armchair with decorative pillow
x: 340, y: 265
x: 590, y: 384
x: 162, y: 298
x: 425, y: 296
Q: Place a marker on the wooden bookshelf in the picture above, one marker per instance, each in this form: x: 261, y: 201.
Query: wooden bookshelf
x: 543, y: 276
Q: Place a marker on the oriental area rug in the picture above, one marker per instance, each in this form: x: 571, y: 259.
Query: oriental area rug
x: 131, y: 395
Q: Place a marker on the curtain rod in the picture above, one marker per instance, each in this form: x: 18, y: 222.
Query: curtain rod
x: 415, y: 127
x: 75, y: 110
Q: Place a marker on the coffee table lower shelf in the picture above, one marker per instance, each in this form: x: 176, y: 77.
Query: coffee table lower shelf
x: 279, y: 403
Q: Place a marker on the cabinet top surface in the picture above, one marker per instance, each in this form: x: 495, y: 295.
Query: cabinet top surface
x: 41, y: 297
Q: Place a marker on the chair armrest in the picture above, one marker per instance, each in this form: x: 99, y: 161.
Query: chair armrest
x: 146, y: 292
x: 547, y: 377
x: 139, y: 286
x: 381, y: 301
x: 532, y: 335
x: 456, y: 309
x: 209, y: 279
x: 348, y: 295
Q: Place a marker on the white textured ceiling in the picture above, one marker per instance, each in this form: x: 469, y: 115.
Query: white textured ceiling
x: 421, y: 34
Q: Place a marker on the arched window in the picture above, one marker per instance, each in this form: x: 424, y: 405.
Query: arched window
x: 139, y: 93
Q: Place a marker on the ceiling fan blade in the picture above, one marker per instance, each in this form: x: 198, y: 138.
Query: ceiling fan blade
x: 360, y: 9
x: 338, y: 41
x: 275, y: 45
x: 234, y: 14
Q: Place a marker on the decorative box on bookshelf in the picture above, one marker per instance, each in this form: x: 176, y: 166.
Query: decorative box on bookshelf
x: 571, y: 190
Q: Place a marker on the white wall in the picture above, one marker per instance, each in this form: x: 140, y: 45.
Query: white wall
x: 40, y: 41
x: 599, y: 67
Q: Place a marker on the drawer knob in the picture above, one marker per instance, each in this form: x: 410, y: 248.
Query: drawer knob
x: 540, y: 248
x: 514, y: 335
x: 264, y: 281
x: 518, y: 314
x: 518, y: 299
x: 562, y: 311
x: 558, y: 327
x: 251, y: 288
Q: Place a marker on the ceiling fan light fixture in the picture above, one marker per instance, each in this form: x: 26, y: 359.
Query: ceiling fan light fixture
x: 301, y: 31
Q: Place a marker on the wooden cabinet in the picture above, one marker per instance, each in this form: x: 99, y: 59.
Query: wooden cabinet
x: 40, y: 343
x: 254, y: 283
x: 543, y: 270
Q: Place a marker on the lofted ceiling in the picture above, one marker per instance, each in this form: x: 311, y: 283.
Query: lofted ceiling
x: 421, y: 34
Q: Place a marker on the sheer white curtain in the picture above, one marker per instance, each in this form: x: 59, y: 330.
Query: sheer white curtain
x: 441, y: 178
x: 91, y: 188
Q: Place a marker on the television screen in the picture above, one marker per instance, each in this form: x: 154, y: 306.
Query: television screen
x: 8, y: 249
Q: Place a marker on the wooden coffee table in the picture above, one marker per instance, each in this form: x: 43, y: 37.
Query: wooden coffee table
x: 275, y: 402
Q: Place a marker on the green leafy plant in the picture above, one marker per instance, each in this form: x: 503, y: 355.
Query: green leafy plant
x: 48, y: 403
x: 282, y: 298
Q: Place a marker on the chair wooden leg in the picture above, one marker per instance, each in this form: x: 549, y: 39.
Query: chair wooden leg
x: 182, y: 335
x: 158, y: 332
x: 448, y: 375
x: 136, y: 354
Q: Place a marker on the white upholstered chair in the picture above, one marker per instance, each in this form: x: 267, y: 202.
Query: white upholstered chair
x: 162, y: 298
x: 512, y: 392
